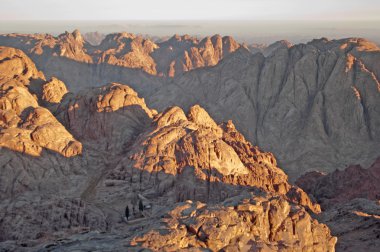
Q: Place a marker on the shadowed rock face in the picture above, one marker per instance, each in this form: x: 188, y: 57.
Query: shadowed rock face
x: 350, y: 200
x: 343, y: 186
x: 356, y: 223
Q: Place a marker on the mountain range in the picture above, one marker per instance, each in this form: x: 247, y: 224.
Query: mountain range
x: 188, y: 127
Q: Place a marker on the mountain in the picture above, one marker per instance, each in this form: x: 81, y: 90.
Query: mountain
x: 314, y: 105
x: 72, y: 162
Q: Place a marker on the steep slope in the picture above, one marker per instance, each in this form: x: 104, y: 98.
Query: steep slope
x: 183, y: 53
x: 191, y: 157
x: 314, y: 105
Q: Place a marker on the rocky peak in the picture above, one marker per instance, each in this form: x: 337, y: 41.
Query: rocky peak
x: 170, y: 116
x: 198, y: 115
x: 16, y: 67
x: 110, y: 116
x: 78, y: 36
x: 229, y: 45
x: 216, y: 158
x: 182, y: 38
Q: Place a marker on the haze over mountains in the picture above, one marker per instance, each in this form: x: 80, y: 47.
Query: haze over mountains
x: 246, y: 31
x: 187, y: 126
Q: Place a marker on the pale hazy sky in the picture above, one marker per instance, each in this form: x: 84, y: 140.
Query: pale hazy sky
x: 190, y: 10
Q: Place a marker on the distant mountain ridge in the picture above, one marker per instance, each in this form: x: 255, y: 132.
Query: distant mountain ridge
x: 175, y: 55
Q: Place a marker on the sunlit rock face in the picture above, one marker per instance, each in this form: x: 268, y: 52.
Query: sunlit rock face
x: 168, y: 157
x: 53, y: 91
x: 313, y: 105
x: 191, y: 157
x: 25, y: 126
x: 174, y: 56
x: 256, y: 224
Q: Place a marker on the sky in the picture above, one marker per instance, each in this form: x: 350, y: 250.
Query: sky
x: 251, y: 21
x: 189, y: 10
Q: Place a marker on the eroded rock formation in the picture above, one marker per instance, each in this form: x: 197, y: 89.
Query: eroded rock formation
x: 173, y: 56
x: 257, y: 224
x: 25, y: 126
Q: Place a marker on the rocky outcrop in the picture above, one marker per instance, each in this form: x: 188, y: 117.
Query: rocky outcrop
x: 267, y: 50
x: 343, y: 186
x: 25, y: 126
x: 183, y: 53
x: 179, y: 148
x: 16, y: 68
x: 111, y: 116
x: 325, y: 92
x: 53, y: 91
x: 257, y: 224
x: 126, y: 50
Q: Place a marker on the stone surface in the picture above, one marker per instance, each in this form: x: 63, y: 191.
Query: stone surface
x: 350, y: 200
x: 53, y: 91
x: 128, y: 153
x: 356, y: 223
x: 25, y: 126
x: 218, y: 161
x: 258, y: 224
